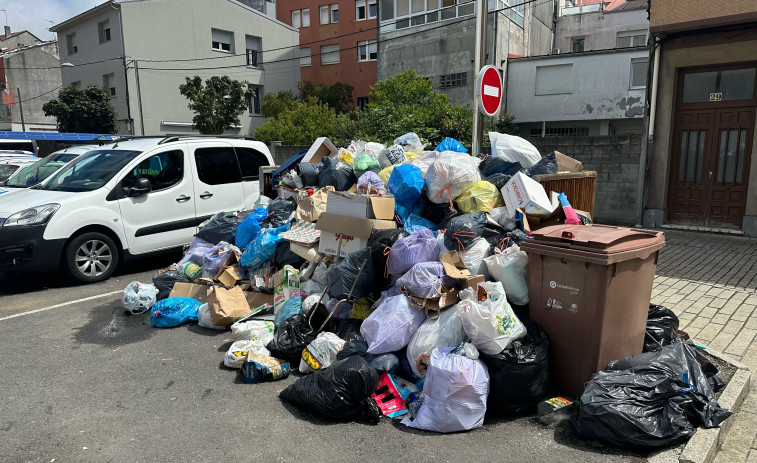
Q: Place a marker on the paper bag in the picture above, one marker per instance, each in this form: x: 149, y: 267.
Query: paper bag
x: 310, y: 208
x: 226, y: 305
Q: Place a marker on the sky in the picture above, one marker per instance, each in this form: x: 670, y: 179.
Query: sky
x: 35, y: 15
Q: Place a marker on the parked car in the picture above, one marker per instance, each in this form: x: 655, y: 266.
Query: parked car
x: 124, y: 200
x: 9, y: 167
x: 41, y: 169
x: 22, y: 145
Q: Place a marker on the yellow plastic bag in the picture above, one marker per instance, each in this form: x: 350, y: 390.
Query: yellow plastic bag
x: 361, y: 309
x: 483, y: 196
x: 410, y: 156
x: 386, y: 173
x: 346, y: 156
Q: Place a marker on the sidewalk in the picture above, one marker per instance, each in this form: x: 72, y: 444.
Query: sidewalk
x: 710, y: 282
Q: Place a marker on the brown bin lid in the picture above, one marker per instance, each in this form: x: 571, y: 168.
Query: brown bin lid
x: 601, y: 239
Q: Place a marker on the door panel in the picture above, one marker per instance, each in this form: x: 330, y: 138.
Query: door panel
x: 688, y: 184
x: 250, y: 161
x: 218, y: 181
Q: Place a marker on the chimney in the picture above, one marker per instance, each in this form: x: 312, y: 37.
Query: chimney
x: 7, y: 31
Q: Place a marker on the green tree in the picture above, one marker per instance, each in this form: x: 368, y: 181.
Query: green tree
x: 275, y: 103
x: 337, y: 96
x: 301, y: 123
x: 217, y: 104
x: 505, y: 123
x: 83, y: 111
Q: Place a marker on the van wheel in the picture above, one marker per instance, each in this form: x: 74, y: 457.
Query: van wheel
x: 91, y: 257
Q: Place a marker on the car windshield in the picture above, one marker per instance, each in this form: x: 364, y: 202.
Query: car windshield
x: 90, y: 171
x: 6, y: 171
x: 40, y: 170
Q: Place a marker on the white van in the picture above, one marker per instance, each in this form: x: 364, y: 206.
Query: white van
x: 126, y: 199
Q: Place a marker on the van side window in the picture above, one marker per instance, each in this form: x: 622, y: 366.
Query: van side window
x: 163, y: 170
x: 217, y: 165
x: 250, y: 160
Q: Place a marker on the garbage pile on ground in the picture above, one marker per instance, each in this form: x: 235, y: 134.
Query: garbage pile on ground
x: 415, y: 284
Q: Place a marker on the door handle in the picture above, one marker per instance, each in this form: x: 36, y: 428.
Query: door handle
x: 182, y: 199
x: 206, y: 195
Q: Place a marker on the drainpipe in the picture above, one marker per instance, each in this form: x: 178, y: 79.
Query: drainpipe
x: 648, y: 133
x: 126, y: 71
x: 653, y: 104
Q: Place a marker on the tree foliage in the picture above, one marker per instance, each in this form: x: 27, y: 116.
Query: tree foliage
x: 217, y: 104
x: 83, y: 111
x: 337, y: 96
x: 275, y: 103
x: 301, y: 123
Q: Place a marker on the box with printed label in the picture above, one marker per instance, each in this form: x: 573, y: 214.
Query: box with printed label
x: 353, y: 233
x: 285, y: 282
x: 523, y: 192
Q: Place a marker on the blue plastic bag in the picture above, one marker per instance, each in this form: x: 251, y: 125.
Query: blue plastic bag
x: 415, y: 222
x: 406, y: 184
x: 405, y: 212
x: 247, y: 231
x: 260, y: 249
x: 260, y: 214
x: 174, y: 311
x: 450, y: 144
x: 291, y: 307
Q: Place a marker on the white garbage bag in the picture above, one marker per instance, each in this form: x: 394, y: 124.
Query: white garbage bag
x: 321, y: 352
x: 502, y: 216
x: 311, y: 287
x: 261, y: 330
x: 514, y: 149
x: 320, y: 275
x: 391, y: 156
x: 455, y: 393
x: 446, y: 331
x: 410, y: 142
x: 391, y: 326
x: 139, y: 297
x: 490, y: 324
x: 450, y: 175
x: 474, y: 256
x: 511, y: 269
x: 204, y: 320
x: 237, y: 353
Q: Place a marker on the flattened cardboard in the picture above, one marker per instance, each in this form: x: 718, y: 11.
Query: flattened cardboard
x: 360, y: 206
x: 255, y: 299
x: 191, y: 290
x: 229, y: 276
x: 226, y: 305
x: 567, y: 164
x: 321, y: 148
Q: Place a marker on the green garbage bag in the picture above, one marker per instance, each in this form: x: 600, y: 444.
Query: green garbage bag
x: 364, y: 163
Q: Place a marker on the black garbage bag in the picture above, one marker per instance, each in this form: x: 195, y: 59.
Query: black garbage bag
x: 519, y: 377
x: 378, y: 242
x: 662, y: 325
x: 337, y: 174
x: 282, y: 209
x: 440, y: 214
x: 498, y: 165
x: 342, y: 276
x: 353, y: 347
x: 498, y: 180
x: 165, y: 281
x: 309, y: 173
x: 292, y: 335
x: 338, y: 392
x: 220, y: 227
x: 283, y: 255
x: 464, y: 231
x: 496, y: 236
x: 658, y: 401
x: 517, y: 236
x: 349, y: 329
x: 547, y: 165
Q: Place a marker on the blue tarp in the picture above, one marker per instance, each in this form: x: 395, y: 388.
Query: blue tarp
x: 286, y: 166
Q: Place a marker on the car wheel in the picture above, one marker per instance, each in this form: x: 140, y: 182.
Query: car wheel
x: 91, y: 257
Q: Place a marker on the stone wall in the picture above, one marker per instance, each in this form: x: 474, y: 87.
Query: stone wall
x: 616, y: 161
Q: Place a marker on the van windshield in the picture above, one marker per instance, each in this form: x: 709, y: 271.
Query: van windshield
x: 40, y: 170
x: 90, y: 171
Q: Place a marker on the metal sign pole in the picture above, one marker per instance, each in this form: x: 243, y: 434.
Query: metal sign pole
x: 479, y: 59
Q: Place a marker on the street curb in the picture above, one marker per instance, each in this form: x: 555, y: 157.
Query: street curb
x: 703, y: 446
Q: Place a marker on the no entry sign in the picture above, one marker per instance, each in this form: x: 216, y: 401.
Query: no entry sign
x: 489, y: 91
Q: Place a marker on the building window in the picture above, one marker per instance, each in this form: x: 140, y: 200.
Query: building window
x: 459, y: 79
x: 255, y: 102
x: 335, y: 13
x: 306, y: 17
x: 365, y: 9
x: 372, y: 9
x: 577, y: 45
x: 301, y: 18
x: 329, y: 54
x: 515, y: 10
x: 222, y: 40
x: 367, y: 51
x: 639, y: 68
x: 305, y: 59
x: 561, y: 132
x: 399, y: 14
x: 71, y: 44
x: 109, y: 84
x: 254, y: 48
x: 631, y: 39
x: 296, y: 19
x: 103, y: 31
x: 554, y: 79
x: 323, y: 12
x: 362, y: 101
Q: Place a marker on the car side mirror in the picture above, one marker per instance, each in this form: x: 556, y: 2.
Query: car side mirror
x: 143, y: 187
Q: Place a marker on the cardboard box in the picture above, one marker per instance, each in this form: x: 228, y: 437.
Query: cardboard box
x: 455, y: 268
x: 360, y: 206
x: 567, y: 163
x: 192, y: 290
x: 227, y: 305
x: 523, y: 192
x: 310, y: 208
x: 352, y: 232
x: 285, y: 282
x: 256, y: 299
x: 309, y: 253
x: 260, y: 368
x: 321, y: 148
x: 447, y: 297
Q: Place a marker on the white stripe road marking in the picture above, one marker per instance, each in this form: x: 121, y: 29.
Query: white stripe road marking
x: 60, y: 305
x: 490, y: 90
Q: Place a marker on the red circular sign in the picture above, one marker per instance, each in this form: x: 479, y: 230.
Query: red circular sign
x: 489, y: 91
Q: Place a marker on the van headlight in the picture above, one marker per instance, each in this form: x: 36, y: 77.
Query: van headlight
x: 32, y: 216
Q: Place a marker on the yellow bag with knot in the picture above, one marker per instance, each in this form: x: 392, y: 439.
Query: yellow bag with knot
x: 481, y: 197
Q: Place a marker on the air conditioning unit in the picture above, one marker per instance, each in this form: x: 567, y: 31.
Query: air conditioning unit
x: 555, y: 51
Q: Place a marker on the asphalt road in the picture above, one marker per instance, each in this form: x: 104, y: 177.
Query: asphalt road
x: 83, y: 381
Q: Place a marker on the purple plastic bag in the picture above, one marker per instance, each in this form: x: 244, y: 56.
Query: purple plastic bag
x: 370, y: 183
x: 196, y: 252
x: 425, y: 279
x: 214, y: 259
x: 420, y: 246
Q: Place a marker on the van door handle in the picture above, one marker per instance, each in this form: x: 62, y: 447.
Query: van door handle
x: 206, y: 195
x: 182, y: 199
